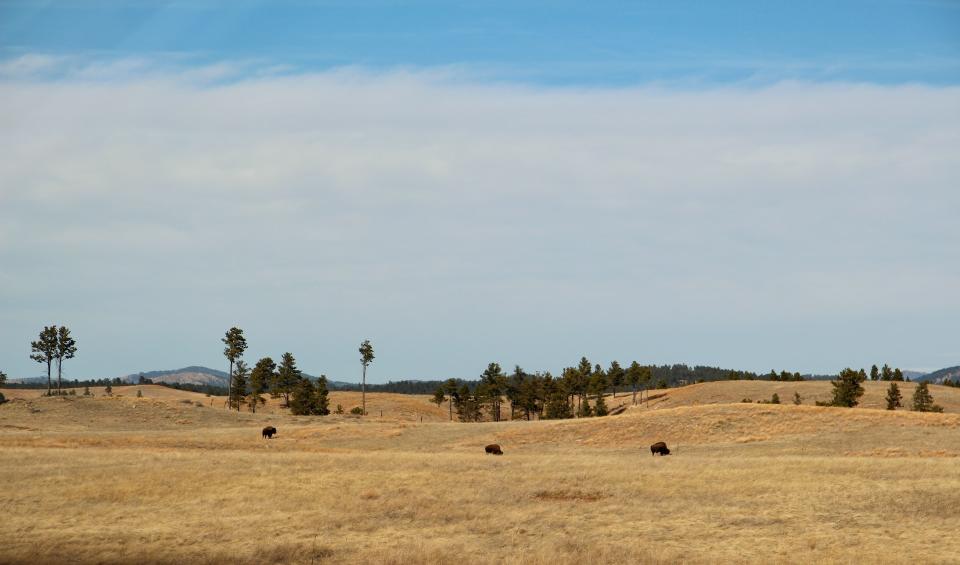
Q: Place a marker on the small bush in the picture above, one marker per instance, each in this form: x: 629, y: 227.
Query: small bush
x: 73, y: 392
x: 339, y: 409
x: 356, y: 410
x: 2, y: 398
x: 775, y: 399
x: 139, y: 393
x: 797, y: 399
x: 747, y: 400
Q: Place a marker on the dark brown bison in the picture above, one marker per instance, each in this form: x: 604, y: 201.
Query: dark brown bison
x: 269, y: 431
x: 494, y: 449
x: 660, y: 448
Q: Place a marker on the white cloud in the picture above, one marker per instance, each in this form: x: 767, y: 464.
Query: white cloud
x: 531, y: 223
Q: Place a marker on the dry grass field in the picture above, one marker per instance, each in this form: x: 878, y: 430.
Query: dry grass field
x: 174, y: 478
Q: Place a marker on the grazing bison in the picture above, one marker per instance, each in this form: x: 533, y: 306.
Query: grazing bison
x: 269, y: 431
x: 494, y: 449
x: 660, y: 448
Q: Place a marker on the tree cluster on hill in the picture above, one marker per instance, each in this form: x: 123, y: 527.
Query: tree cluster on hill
x: 54, y: 344
x: 886, y: 374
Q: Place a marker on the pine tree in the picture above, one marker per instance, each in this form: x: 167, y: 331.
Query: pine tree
x: 44, y: 350
x: 3, y: 378
x: 288, y: 376
x: 847, y: 389
x: 109, y: 390
x: 584, y: 411
x: 366, y: 357
x: 321, y: 400
x: 634, y: 377
x: 139, y: 393
x: 238, y: 385
x: 86, y: 391
x: 797, y: 399
x: 893, y: 397
x: 886, y: 374
x: 439, y: 396
x: 898, y: 374
x: 301, y: 399
x: 557, y: 406
x: 235, y: 344
x: 494, y: 383
x: 775, y: 399
x: 616, y: 376
x: 874, y: 373
x: 922, y: 399
x: 601, y: 408
x: 66, y: 349
x: 262, y: 376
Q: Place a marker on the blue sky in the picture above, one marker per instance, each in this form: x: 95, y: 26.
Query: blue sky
x: 750, y: 185
x: 543, y: 42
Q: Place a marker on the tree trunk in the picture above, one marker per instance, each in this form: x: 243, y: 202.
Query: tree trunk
x: 451, y: 408
x: 59, y: 376
x: 363, y: 390
x: 634, y: 395
x: 49, y: 382
x: 230, y: 387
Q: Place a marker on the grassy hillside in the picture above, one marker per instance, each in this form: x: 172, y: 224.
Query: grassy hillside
x: 158, y: 480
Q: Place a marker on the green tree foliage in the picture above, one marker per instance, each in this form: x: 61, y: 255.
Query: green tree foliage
x: 262, y: 377
x: 311, y: 399
x: 886, y: 373
x: 450, y: 387
x: 3, y: 378
x: 636, y: 375
x: 66, y: 349
x: 493, y: 384
x: 894, y: 397
x: 468, y: 405
x: 234, y: 346
x: 238, y: 384
x: 874, y: 373
x: 439, y: 396
x: 366, y: 357
x: 616, y: 376
x: 847, y: 388
x: 44, y: 350
x: 86, y: 391
x: 600, y: 409
x: 108, y: 390
x: 288, y: 376
x: 923, y: 400
x: 898, y: 374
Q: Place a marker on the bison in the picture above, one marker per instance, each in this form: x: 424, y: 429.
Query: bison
x: 660, y: 448
x: 269, y: 431
x: 494, y: 449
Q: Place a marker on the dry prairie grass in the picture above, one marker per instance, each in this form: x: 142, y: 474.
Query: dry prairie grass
x: 750, y: 483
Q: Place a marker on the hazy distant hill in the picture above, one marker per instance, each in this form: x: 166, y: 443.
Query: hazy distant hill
x: 188, y: 375
x: 952, y: 373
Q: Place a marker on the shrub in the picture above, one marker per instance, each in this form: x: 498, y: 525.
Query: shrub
x: 339, y: 409
x: 356, y: 410
x: 893, y: 397
x: 797, y: 399
x: 922, y: 399
x: 2, y: 398
x: 139, y: 393
x: 73, y: 392
x: 601, y: 408
x: 747, y: 400
x: 775, y: 399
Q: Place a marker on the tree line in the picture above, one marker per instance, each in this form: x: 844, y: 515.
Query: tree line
x: 848, y: 388
x: 284, y: 381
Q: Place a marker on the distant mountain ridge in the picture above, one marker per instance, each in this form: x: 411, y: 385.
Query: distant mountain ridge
x: 937, y: 377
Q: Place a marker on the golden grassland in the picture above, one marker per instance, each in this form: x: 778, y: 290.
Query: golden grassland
x: 159, y: 480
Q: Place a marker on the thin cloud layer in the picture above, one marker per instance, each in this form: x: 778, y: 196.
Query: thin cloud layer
x: 799, y: 226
